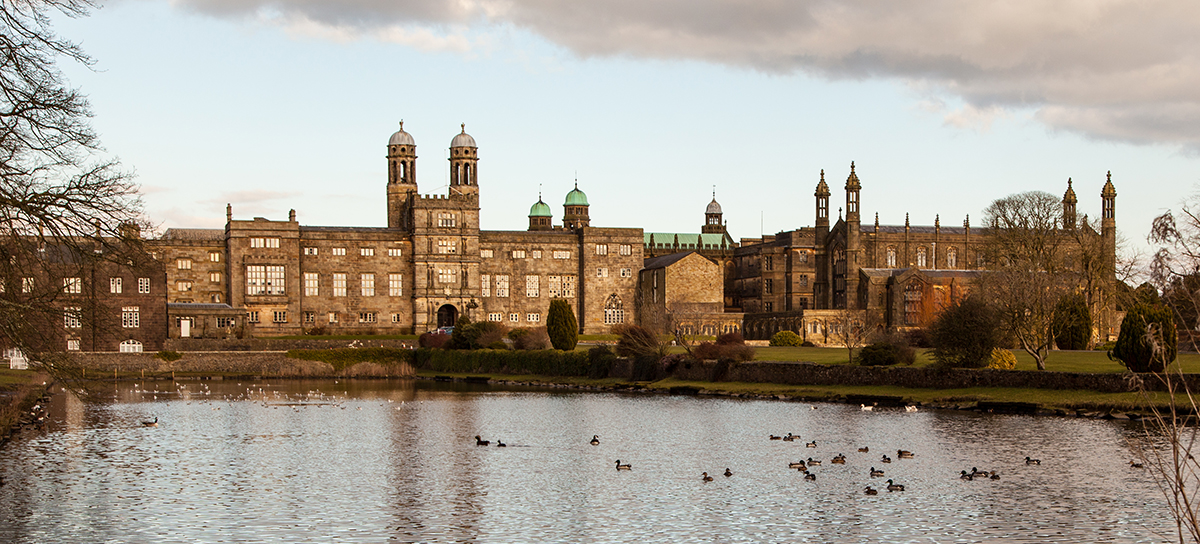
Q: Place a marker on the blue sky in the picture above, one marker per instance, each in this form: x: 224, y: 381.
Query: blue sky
x: 274, y: 106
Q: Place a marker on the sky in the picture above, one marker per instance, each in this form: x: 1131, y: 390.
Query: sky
x: 943, y: 105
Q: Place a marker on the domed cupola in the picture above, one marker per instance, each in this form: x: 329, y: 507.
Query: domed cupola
x: 402, y: 176
x: 575, y: 212
x: 712, y: 217
x: 464, y: 163
x: 540, y: 217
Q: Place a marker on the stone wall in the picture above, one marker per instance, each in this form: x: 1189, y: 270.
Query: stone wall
x: 924, y: 378
x: 260, y: 363
x: 277, y: 344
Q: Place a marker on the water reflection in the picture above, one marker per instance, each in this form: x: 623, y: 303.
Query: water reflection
x: 372, y: 461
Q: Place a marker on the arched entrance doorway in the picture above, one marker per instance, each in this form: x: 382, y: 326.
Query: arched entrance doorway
x: 447, y: 315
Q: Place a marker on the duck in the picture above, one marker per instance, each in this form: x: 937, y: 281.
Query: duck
x: 501, y: 444
x: 482, y: 442
x: 865, y: 408
x: 876, y: 473
x: 623, y: 467
x: 864, y: 449
x: 1029, y: 461
x: 979, y: 473
x: 728, y: 472
x: 995, y: 476
x: 885, y: 459
x: 894, y: 487
x: 964, y: 475
x: 595, y: 440
x: 810, y: 476
x: 904, y: 454
x: 870, y: 491
x: 910, y: 408
x: 789, y: 438
x: 705, y: 477
x: 812, y: 444
x: 1134, y: 464
x: 151, y: 423
x: 839, y: 460
x: 799, y: 464
x: 813, y: 462
x: 773, y: 437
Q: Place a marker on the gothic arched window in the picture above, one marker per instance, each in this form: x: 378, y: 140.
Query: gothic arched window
x: 951, y: 257
x: 614, y: 310
x: 922, y: 258
x: 891, y: 257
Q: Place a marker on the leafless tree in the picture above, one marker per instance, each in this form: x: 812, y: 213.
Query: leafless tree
x: 63, y: 204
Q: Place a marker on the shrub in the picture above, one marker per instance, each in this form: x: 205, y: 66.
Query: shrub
x: 530, y: 339
x: 807, y: 344
x: 498, y: 344
x: 433, y: 339
x: 1002, y: 359
x: 599, y: 361
x: 492, y: 332
x: 886, y: 353
x: 964, y: 334
x: 919, y: 338
x: 637, y: 341
x: 315, y: 331
x: 671, y: 362
x: 731, y: 339
x: 1147, y: 339
x: 561, y: 325
x: 1072, y: 322
x: 169, y: 356
x: 786, y: 338
x: 341, y: 358
x: 469, y: 335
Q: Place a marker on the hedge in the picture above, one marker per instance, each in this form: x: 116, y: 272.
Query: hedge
x: 347, y: 357
x: 544, y: 362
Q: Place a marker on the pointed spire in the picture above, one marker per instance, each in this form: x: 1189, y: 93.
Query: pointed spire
x: 822, y: 187
x: 852, y: 183
x: 967, y: 222
x: 1109, y: 190
x: 906, y: 220
x: 464, y: 128
x: 937, y: 221
x: 876, y: 220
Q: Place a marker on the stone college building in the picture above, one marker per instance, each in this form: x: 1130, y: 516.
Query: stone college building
x: 431, y: 264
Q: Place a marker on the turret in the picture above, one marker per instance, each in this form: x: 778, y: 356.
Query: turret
x: 464, y: 165
x: 712, y: 218
x: 853, y: 238
x: 1068, y: 202
x: 575, y: 209
x: 540, y: 217
x: 402, y: 178
x: 822, y: 218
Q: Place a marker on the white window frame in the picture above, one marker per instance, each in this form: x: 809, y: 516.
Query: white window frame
x: 562, y: 254
x: 183, y: 264
x: 366, y: 252
x: 395, y: 285
x: 279, y: 316
x: 114, y: 285
x: 447, y: 247
x: 601, y: 249
x: 368, y: 317
x: 485, y: 285
x: 72, y: 286
x: 625, y: 249
x: 532, y: 286
x: 131, y: 317
x: 339, y: 284
x: 395, y: 252
x: 496, y: 317
x: 518, y: 254
x: 143, y: 286
x: 486, y: 253
x: 73, y: 317
x: 366, y: 283
x: 339, y: 251
x: 502, y: 285
x: 214, y: 277
x: 312, y: 284
x: 514, y: 317
x: 214, y: 256
x: 311, y: 251
x: 533, y: 318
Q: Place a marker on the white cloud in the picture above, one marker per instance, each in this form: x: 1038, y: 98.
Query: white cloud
x: 1123, y: 70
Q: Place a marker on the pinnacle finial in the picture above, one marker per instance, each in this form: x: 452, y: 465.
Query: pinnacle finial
x: 1110, y: 175
x: 851, y: 167
x: 1068, y: 183
x: 822, y: 174
x: 714, y: 192
x: 402, y: 124
x: 464, y: 128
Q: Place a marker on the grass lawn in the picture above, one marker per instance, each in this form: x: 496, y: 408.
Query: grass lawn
x: 13, y: 379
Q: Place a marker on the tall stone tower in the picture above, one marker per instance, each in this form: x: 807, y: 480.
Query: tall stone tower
x: 1108, y: 223
x: 1069, y: 200
x: 821, y: 281
x: 402, y: 179
x: 464, y: 164
x: 854, y: 250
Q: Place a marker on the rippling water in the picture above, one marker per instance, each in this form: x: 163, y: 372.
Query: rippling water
x: 378, y: 461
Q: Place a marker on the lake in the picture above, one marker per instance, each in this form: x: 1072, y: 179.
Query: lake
x: 397, y: 461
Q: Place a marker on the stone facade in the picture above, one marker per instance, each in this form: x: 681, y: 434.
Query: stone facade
x: 903, y: 274
x: 431, y: 264
x: 685, y: 292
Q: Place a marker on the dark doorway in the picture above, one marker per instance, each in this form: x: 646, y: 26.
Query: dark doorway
x: 447, y: 315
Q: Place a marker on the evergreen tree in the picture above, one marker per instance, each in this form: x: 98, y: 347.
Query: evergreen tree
x: 1072, y: 322
x: 965, y: 333
x: 1143, y: 352
x: 561, y: 325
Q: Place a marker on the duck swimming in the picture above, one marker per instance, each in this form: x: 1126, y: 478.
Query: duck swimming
x: 810, y: 476
x: 481, y: 442
x: 796, y: 465
x: 885, y: 459
x: 894, y: 487
x: 705, y: 477
x: 595, y: 440
x: 812, y: 444
x: 1029, y: 461
x: 728, y: 473
x: 839, y: 460
x: 864, y: 449
x: 623, y: 467
x: 151, y: 423
x: 813, y: 462
x: 904, y: 454
x: 876, y: 473
x: 870, y: 491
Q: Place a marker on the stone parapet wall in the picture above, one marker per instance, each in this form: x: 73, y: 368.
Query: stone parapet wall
x: 792, y: 373
x: 278, y: 344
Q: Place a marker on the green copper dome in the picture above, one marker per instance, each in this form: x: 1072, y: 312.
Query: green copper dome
x: 540, y: 209
x: 576, y: 197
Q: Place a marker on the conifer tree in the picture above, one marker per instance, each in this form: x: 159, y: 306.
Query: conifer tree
x: 561, y: 326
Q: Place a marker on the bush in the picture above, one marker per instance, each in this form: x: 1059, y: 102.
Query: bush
x: 671, y: 362
x: 600, y: 361
x: 315, y: 331
x: 710, y: 351
x: 1002, y: 359
x: 491, y: 332
x: 807, y: 344
x: 169, y: 356
x: 498, y: 344
x: 786, y: 338
x: 964, y: 334
x: 1072, y: 322
x: 341, y: 358
x: 469, y: 335
x: 886, y: 353
x: 561, y: 326
x: 1138, y: 352
x: 433, y: 339
x: 918, y: 338
x: 731, y: 339
x: 529, y: 339
x: 636, y: 341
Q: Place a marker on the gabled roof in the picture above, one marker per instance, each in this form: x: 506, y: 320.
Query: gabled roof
x: 667, y: 260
